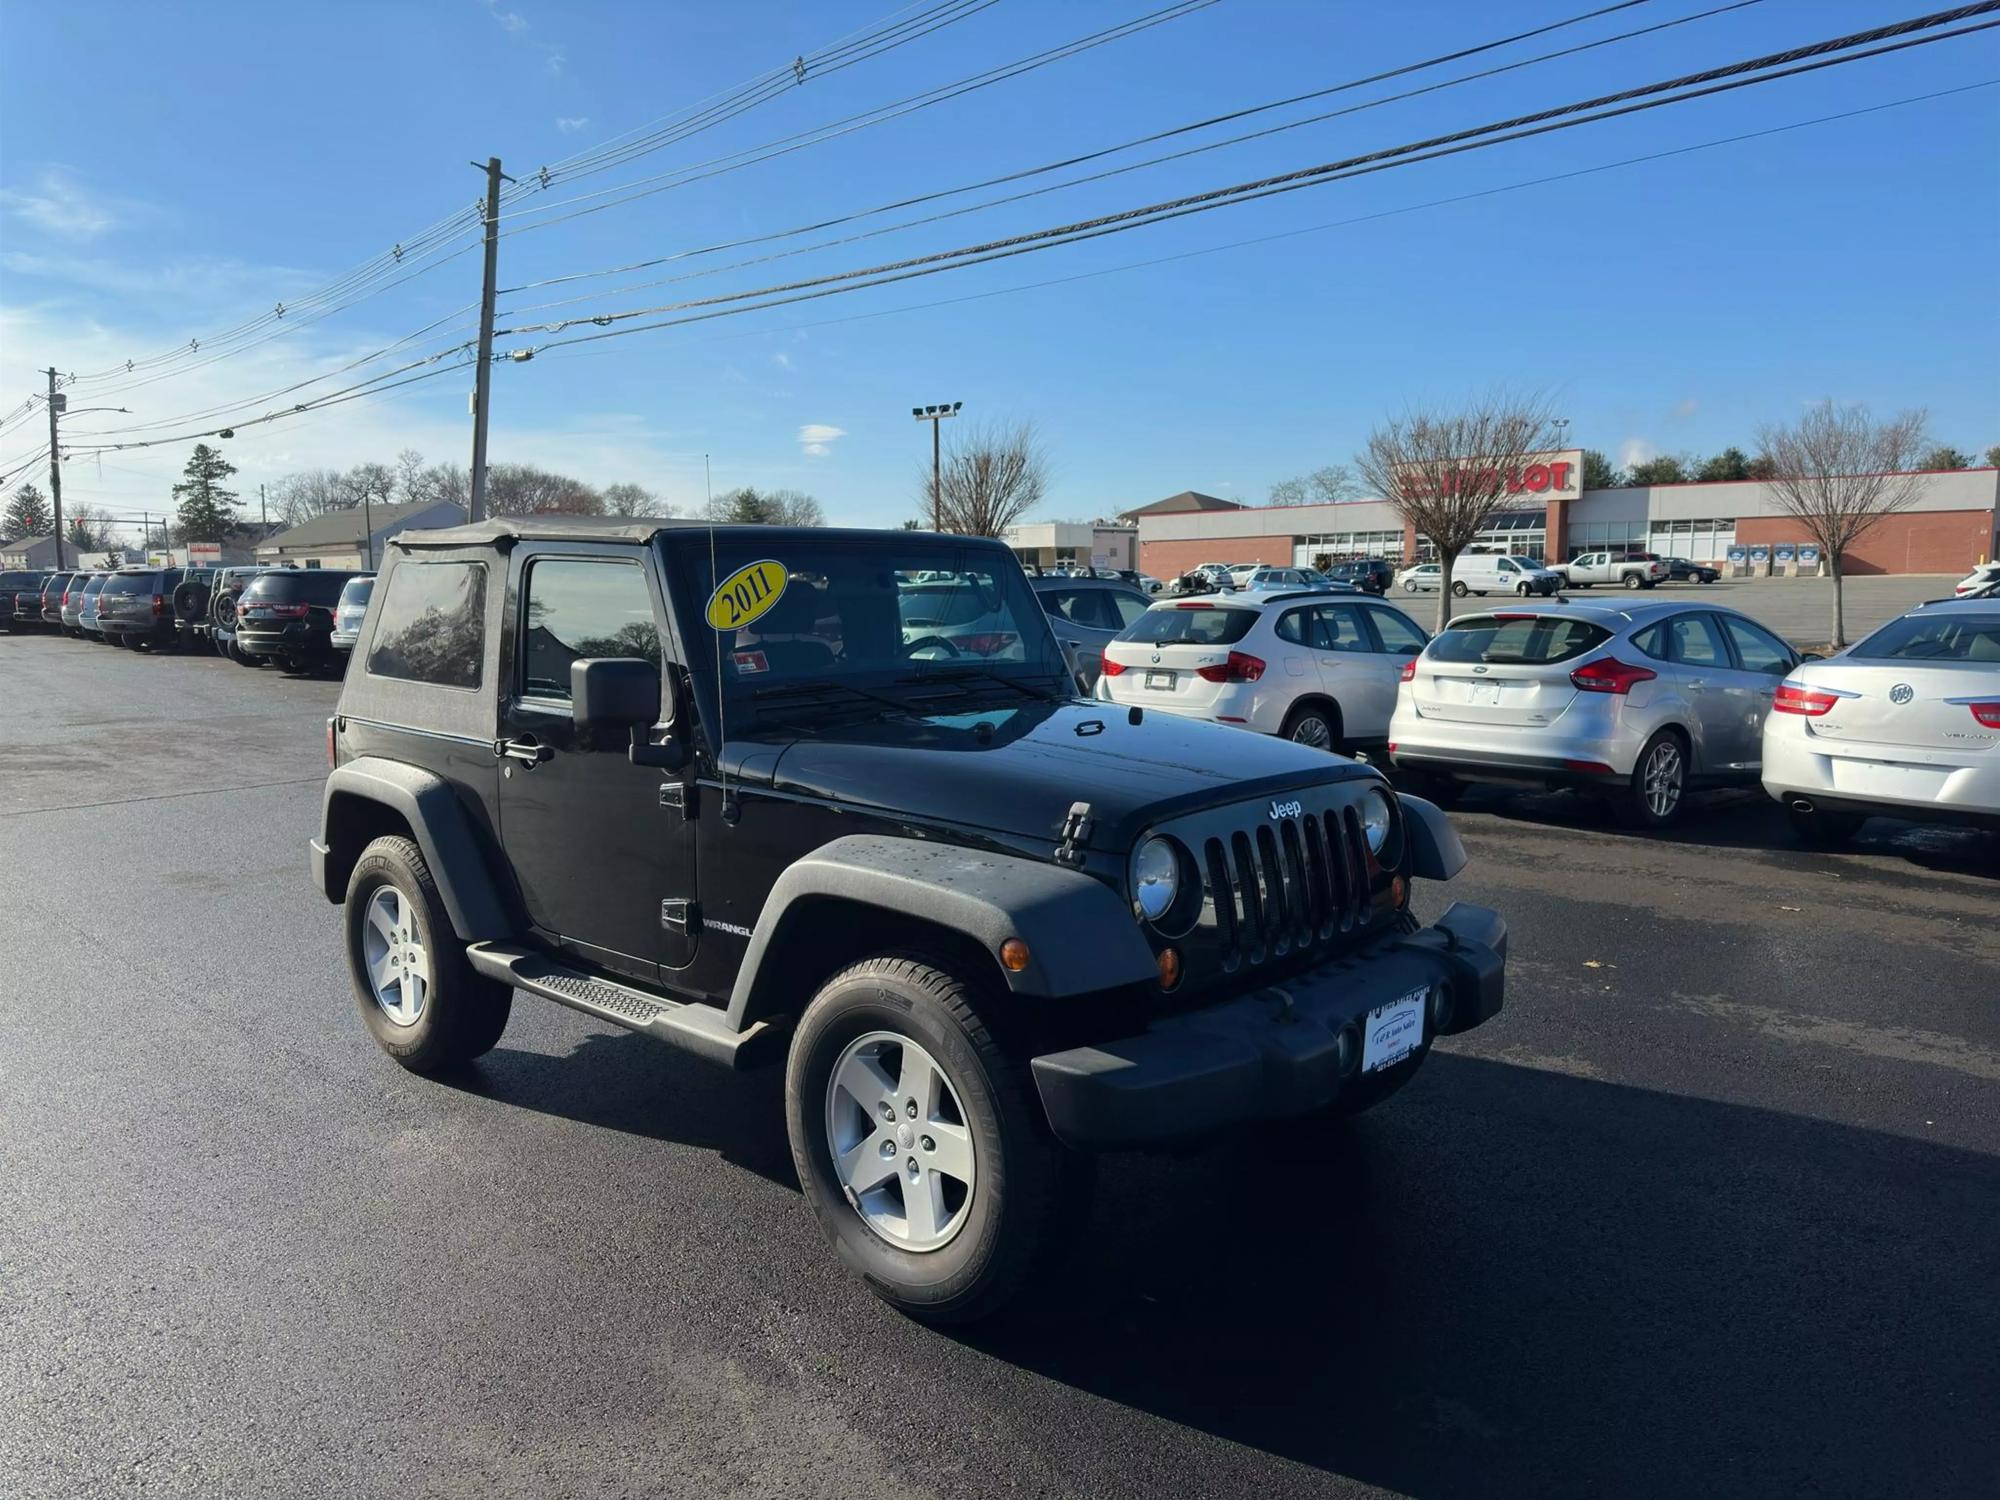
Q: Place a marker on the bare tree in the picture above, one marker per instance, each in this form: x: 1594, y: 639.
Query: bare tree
x: 524, y: 490
x: 766, y: 508
x: 1449, y: 471
x: 410, y: 472
x: 1327, y: 485
x: 1837, y: 471
x: 634, y: 500
x: 372, y: 483
x: 311, y: 492
x: 991, y: 478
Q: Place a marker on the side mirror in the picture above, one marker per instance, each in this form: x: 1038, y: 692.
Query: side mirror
x: 1806, y: 656
x: 614, y: 693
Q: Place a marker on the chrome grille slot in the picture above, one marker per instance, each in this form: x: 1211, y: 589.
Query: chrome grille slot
x: 1249, y: 891
x: 1276, y: 897
x: 1297, y: 876
x: 1221, y: 894
x: 1357, y: 856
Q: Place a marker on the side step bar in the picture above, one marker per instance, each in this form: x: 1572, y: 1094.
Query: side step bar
x: 700, y: 1029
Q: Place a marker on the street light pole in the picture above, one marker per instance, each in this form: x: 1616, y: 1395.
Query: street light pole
x: 59, y: 407
x: 935, y: 415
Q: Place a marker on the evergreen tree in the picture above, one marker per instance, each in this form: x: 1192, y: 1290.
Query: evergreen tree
x: 207, y: 510
x: 27, y: 515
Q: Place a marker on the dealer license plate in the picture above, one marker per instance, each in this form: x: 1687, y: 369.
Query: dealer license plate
x: 1159, y: 682
x: 1393, y: 1031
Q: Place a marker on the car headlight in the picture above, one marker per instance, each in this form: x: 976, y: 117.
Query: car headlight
x: 1378, y: 818
x: 1156, y: 877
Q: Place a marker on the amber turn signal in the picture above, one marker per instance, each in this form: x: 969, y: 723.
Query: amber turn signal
x: 1399, y: 890
x: 1170, y: 968
x: 1014, y: 955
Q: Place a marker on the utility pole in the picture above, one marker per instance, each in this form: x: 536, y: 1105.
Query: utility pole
x: 263, y: 515
x: 935, y: 415
x: 482, y: 377
x: 368, y: 531
x: 56, y: 404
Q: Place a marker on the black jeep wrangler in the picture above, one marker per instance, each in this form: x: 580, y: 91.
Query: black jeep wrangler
x: 737, y: 788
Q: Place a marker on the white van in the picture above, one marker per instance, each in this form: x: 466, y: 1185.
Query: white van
x: 1496, y: 573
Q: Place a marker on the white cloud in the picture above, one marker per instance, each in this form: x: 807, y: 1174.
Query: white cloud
x: 816, y: 438
x: 570, y: 124
x: 194, y: 280
x: 1635, y: 451
x: 60, y: 205
x: 1684, y: 408
x: 510, y: 20
x: 782, y: 360
x: 553, y: 61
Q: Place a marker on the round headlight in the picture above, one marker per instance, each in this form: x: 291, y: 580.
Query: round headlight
x: 1156, y: 878
x: 1378, y: 817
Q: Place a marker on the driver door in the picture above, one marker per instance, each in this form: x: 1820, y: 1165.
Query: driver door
x: 597, y: 850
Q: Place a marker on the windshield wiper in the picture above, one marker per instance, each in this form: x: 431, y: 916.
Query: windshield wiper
x: 966, y: 674
x: 807, y: 689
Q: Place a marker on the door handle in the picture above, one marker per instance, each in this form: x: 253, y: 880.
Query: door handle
x: 527, y: 750
x: 1697, y: 682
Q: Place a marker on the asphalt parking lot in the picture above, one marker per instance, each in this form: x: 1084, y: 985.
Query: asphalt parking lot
x: 1709, y: 1209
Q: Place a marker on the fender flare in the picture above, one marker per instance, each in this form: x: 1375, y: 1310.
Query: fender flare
x: 441, y: 828
x: 1435, y: 850
x: 1081, y: 935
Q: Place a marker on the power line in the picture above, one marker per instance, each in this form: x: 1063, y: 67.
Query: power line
x: 1521, y: 128
x: 1094, y: 155
x: 881, y: 114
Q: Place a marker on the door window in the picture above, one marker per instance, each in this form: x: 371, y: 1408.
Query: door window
x: 578, y: 609
x: 1757, y: 648
x: 1692, y: 641
x: 1398, y: 634
x: 1339, y: 627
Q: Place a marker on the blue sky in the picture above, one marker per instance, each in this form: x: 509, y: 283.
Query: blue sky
x: 169, y: 170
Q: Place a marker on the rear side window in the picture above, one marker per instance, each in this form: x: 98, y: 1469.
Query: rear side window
x: 358, y: 590
x: 1524, y: 640
x: 432, y: 626
x: 1953, y: 637
x: 1200, y: 626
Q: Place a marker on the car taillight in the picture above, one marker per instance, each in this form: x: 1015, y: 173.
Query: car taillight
x: 1797, y: 698
x: 1409, y: 672
x: 1987, y: 712
x: 1113, y: 668
x: 1241, y: 667
x: 985, y: 643
x: 1610, y: 675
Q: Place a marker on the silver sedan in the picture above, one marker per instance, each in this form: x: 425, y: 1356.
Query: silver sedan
x: 1637, y: 702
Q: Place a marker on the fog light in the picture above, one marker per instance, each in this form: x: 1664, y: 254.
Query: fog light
x: 1440, y: 1008
x: 1170, y: 968
x: 1350, y: 1049
x: 1014, y: 955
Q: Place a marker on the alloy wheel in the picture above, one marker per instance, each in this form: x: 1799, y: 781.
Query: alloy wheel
x: 399, y: 970
x: 1313, y: 730
x: 902, y: 1150
x: 1662, y: 779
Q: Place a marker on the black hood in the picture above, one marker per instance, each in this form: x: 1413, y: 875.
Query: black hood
x: 1016, y: 769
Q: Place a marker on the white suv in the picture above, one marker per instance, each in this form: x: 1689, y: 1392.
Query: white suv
x: 1314, y: 666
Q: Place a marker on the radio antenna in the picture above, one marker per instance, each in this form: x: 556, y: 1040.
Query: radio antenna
x: 715, y: 634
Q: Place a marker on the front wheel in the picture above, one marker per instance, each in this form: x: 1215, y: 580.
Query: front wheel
x: 422, y: 1002
x: 1458, y: 589
x: 921, y: 1144
x: 1523, y: 590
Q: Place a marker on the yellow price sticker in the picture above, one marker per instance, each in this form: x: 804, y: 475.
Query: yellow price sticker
x: 746, y: 594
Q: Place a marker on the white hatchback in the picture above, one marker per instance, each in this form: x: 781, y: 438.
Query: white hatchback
x: 1314, y: 666
x: 1905, y: 724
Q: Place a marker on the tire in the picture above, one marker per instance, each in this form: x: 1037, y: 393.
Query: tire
x: 1316, y: 725
x: 1824, y: 830
x: 1028, y: 1194
x: 456, y: 1014
x: 1410, y: 586
x: 1634, y: 581
x: 190, y: 601
x: 1523, y: 590
x: 1640, y: 805
x: 1458, y: 589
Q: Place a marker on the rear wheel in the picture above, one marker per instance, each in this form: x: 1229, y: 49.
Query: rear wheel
x: 1317, y: 725
x: 1658, y: 787
x: 921, y: 1145
x: 422, y: 1002
x: 1823, y: 830
x: 1634, y: 581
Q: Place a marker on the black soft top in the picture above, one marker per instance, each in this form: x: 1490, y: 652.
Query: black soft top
x: 504, y: 531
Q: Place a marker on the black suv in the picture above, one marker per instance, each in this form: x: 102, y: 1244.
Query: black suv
x: 287, y: 615
x: 719, y: 786
x: 16, y: 586
x: 1371, y: 575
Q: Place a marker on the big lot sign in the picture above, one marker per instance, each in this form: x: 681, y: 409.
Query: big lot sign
x: 1541, y: 477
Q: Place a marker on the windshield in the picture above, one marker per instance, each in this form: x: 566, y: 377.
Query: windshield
x: 863, y: 614
x: 1942, y: 637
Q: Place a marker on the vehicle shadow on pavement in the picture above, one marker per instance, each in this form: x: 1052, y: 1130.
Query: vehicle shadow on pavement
x: 630, y: 1084
x: 1510, y: 1281
x: 1749, y: 821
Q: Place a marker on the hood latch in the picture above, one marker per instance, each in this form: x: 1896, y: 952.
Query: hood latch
x: 1075, y: 829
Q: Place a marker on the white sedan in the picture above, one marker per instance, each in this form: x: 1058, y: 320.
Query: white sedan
x: 1424, y: 578
x: 1906, y: 724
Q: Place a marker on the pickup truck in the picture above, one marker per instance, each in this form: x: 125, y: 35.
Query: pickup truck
x: 1635, y: 570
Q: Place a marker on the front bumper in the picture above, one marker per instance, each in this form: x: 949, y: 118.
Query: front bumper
x: 1285, y: 1049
